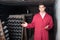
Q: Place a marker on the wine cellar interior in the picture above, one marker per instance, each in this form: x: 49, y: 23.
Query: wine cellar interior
x: 13, y: 13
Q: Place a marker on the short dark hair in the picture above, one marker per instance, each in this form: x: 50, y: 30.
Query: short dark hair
x: 41, y: 4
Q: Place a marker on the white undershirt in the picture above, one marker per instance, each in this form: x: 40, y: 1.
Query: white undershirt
x: 42, y: 14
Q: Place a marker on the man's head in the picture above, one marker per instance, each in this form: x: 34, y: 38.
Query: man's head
x: 42, y: 7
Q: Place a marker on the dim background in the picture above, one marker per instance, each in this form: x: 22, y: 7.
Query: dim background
x: 18, y: 7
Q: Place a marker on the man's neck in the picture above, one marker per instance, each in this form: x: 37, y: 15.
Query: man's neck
x: 42, y: 12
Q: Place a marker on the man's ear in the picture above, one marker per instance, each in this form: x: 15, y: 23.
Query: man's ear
x: 45, y: 7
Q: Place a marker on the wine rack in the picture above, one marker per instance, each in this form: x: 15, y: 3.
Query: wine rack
x: 5, y: 30
x: 2, y: 36
x: 15, y: 29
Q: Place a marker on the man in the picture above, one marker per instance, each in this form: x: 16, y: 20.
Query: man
x: 42, y: 22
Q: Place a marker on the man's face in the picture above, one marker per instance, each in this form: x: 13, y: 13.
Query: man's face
x: 42, y: 8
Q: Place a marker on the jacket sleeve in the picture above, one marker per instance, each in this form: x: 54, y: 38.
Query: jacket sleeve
x: 32, y: 24
x: 50, y: 23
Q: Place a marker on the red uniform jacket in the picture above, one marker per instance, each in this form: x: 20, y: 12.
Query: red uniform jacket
x: 40, y: 33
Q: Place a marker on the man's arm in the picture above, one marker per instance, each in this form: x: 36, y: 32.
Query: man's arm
x: 30, y: 25
x: 50, y: 25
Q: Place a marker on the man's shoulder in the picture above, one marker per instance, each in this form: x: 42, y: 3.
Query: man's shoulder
x: 36, y: 14
x: 49, y: 15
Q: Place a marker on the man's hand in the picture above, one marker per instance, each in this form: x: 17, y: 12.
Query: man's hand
x: 24, y: 24
x: 47, y: 27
